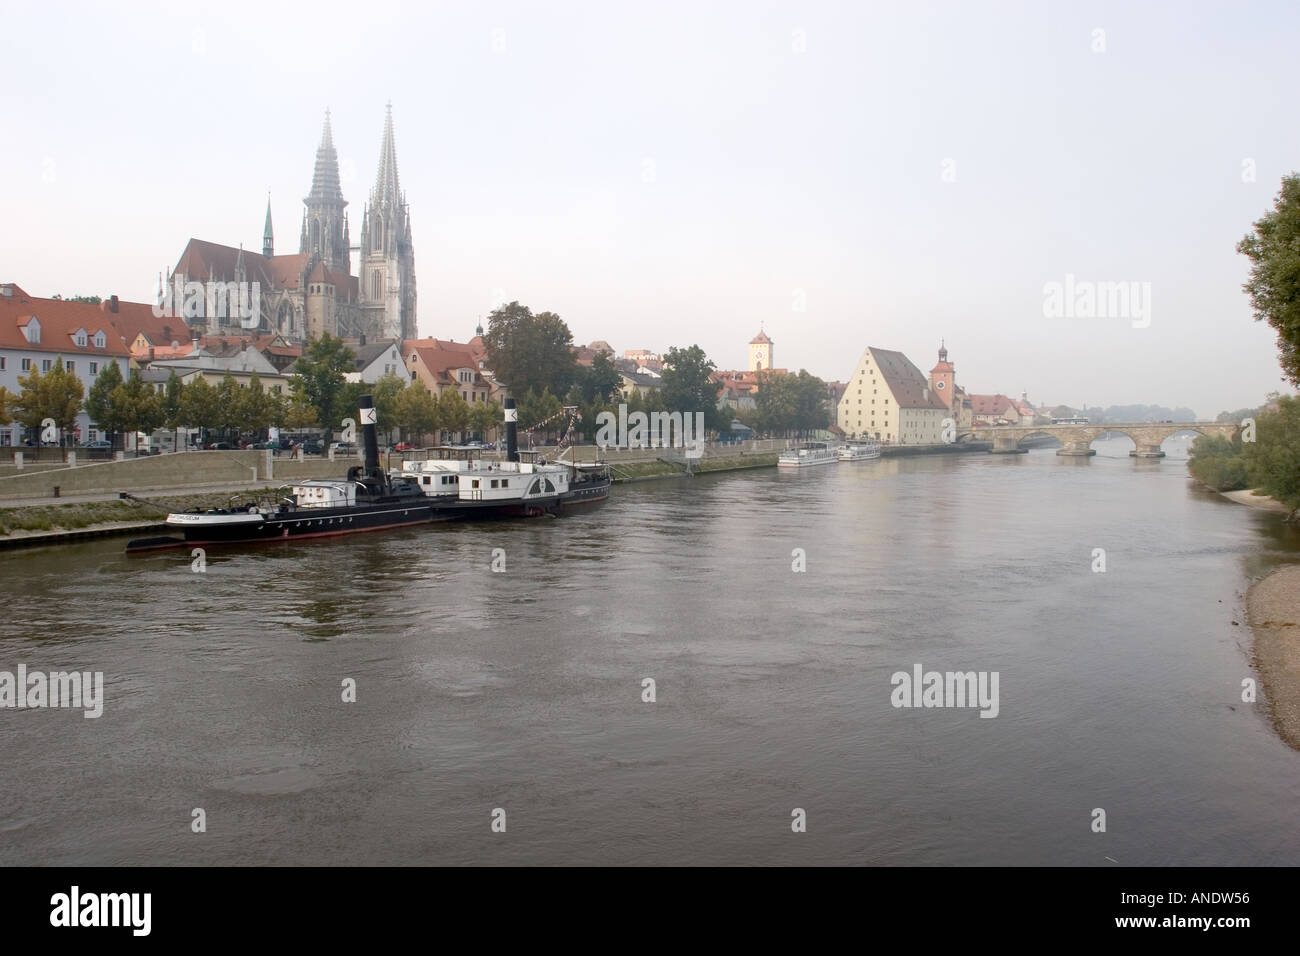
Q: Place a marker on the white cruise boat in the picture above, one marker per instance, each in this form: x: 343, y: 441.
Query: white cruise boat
x: 807, y: 454
x: 860, y: 450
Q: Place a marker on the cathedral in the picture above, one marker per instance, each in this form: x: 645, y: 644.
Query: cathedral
x: 313, y: 291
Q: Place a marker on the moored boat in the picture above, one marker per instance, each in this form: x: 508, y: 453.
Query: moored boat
x: 366, y: 499
x: 863, y: 449
x: 807, y: 454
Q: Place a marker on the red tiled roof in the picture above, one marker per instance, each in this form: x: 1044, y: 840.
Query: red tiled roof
x: 59, y: 321
x: 910, y: 388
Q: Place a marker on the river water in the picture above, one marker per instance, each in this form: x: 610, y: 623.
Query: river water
x: 522, y: 690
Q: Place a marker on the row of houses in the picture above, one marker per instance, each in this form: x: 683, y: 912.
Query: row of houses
x: 86, y: 337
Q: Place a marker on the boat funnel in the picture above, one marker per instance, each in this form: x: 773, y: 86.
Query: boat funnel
x: 370, y: 436
x: 512, y: 424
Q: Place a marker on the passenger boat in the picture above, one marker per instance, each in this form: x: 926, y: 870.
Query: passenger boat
x: 860, y: 450
x: 808, y: 454
x: 367, y: 499
x: 523, y: 485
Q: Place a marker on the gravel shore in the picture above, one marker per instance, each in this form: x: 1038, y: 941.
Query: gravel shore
x: 1273, y: 611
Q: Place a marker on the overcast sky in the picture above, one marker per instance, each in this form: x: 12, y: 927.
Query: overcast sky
x: 660, y: 174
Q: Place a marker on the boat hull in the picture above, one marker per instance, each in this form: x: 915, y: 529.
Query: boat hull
x: 301, y: 525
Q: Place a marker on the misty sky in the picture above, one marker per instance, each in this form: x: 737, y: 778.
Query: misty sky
x: 671, y: 173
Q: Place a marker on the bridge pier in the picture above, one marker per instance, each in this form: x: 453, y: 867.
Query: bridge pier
x: 1147, y: 450
x: 1007, y: 445
x: 1078, y: 448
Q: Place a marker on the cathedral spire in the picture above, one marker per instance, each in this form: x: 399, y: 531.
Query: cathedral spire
x: 324, y: 229
x: 387, y: 192
x: 268, y: 235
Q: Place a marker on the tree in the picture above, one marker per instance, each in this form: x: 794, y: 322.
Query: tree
x: 416, y: 413
x: 453, y: 412
x: 298, y: 414
x: 687, y: 387
x: 385, y: 393
x: 139, y: 406
x: 172, y: 404
x: 529, y: 351
x: 1274, y: 286
x: 6, y: 397
x: 1217, y: 462
x: 1273, y: 458
x: 199, y: 404
x: 319, y: 381
x: 255, y: 406
x: 57, y: 394
x: 599, y: 381
x: 227, y: 408
x: 99, y: 402
x: 483, y: 417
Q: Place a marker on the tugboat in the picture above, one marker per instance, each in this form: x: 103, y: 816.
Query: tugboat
x: 367, y: 499
x: 467, y: 487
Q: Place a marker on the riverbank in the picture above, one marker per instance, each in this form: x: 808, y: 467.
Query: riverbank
x: 52, y: 524
x: 1273, y: 612
x: 1249, y: 498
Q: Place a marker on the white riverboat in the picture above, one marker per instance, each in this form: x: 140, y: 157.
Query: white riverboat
x: 860, y: 450
x: 808, y: 454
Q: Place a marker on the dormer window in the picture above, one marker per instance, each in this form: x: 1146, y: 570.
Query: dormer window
x: 80, y: 338
x: 33, y: 331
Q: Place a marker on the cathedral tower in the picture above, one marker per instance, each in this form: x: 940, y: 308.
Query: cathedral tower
x: 387, y: 266
x: 268, y: 237
x: 324, y: 224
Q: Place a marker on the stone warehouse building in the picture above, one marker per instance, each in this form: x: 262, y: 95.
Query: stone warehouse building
x: 888, y: 398
x: 313, y: 290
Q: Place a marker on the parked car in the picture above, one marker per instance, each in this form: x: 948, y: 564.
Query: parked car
x: 221, y: 446
x: 344, y: 448
x: 311, y: 447
x: 97, y: 444
x: 403, y: 446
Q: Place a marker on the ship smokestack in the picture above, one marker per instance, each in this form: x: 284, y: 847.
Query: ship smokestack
x: 369, y: 431
x: 512, y: 423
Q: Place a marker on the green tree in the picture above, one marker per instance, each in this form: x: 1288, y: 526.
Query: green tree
x: 319, y: 380
x: 199, y: 405
x: 385, y: 393
x: 6, y: 397
x: 1217, y: 462
x: 298, y: 414
x: 100, y: 406
x: 529, y: 351
x: 173, y: 398
x: 57, y: 394
x: 453, y: 412
x: 139, y: 406
x: 687, y: 387
x: 1274, y: 286
x: 484, y: 417
x: 255, y: 406
x: 1273, y: 458
x: 228, y: 408
x: 600, y: 381
x: 416, y: 413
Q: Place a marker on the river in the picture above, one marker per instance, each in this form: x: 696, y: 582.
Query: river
x: 522, y: 690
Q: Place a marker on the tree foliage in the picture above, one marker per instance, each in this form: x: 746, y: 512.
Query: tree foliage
x: 1274, y: 286
x: 1273, y: 458
x: 319, y: 381
x: 528, y: 351
x: 56, y: 394
x: 687, y: 387
x: 100, y: 407
x: 788, y: 403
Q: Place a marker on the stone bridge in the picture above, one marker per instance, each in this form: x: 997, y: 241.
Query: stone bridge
x: 1076, y: 439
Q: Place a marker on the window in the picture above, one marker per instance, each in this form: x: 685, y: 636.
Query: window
x: 2, y: 363
x: 80, y: 338
x: 27, y: 365
x: 505, y: 482
x: 494, y: 482
x: 94, y: 368
x: 45, y: 365
x: 71, y: 366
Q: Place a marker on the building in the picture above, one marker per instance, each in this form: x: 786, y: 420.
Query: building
x: 387, y: 256
x: 943, y: 380
x: 377, y: 359
x: 888, y: 398
x: 311, y: 292
x: 760, y: 352
x: 441, y: 366
x: 35, y: 333
x: 1000, y: 410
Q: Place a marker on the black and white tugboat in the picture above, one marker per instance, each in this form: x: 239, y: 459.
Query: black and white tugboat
x: 367, y: 499
x: 470, y: 487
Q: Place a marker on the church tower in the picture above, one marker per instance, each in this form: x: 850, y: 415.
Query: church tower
x: 943, y: 377
x: 268, y: 237
x: 387, y: 267
x: 324, y: 224
x: 760, y: 352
